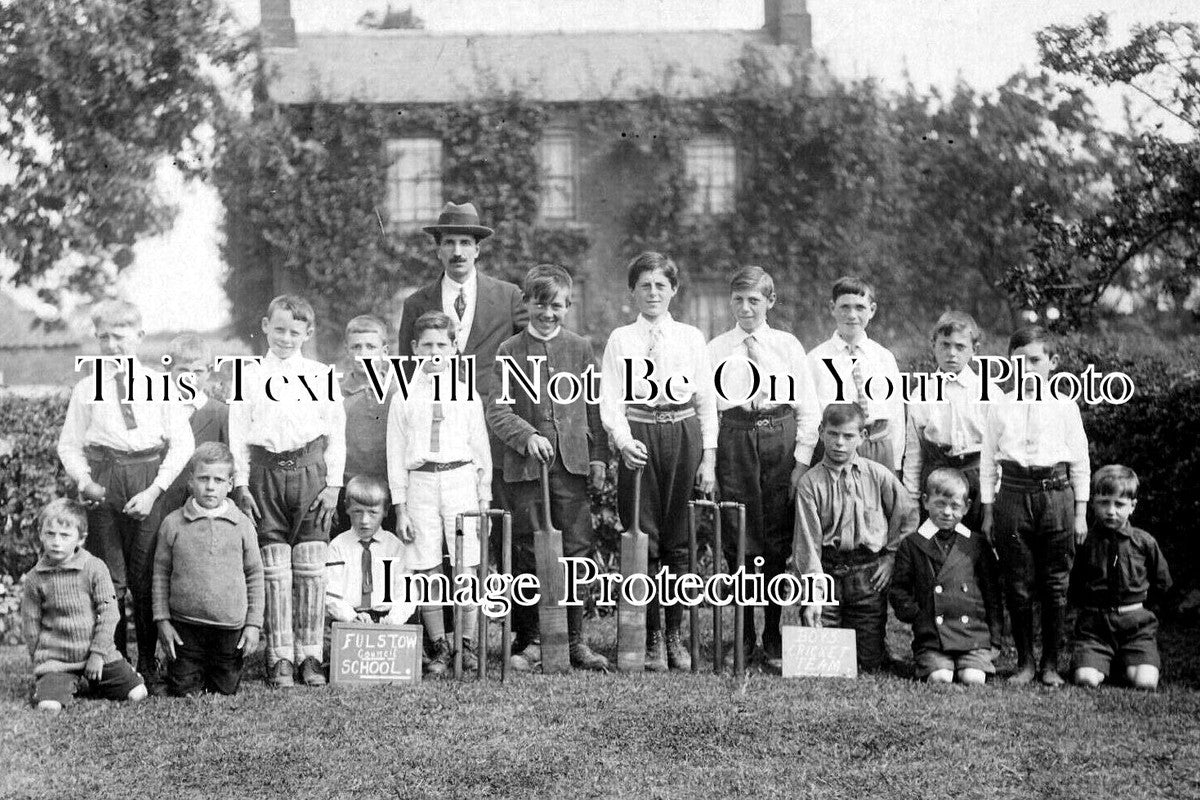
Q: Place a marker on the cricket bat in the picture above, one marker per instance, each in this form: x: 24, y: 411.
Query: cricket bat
x: 631, y: 619
x: 552, y: 615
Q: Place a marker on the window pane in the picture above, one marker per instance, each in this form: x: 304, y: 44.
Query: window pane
x: 414, y: 179
x: 710, y: 162
x: 557, y: 156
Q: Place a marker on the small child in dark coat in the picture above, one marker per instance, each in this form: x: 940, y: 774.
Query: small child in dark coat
x: 945, y: 585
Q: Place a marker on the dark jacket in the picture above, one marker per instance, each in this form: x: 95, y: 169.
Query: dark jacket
x: 1118, y: 568
x: 574, y: 428
x: 952, y: 601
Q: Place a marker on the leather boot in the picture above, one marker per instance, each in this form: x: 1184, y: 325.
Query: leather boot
x: 1053, y: 616
x: 678, y: 658
x: 656, y: 654
x: 582, y: 656
x: 1022, y: 631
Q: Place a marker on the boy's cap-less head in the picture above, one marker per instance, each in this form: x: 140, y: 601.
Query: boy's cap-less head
x: 456, y: 218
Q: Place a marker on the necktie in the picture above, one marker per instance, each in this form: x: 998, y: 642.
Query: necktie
x: 860, y: 381
x: 754, y: 353
x: 460, y: 303
x: 1032, y: 433
x: 368, y: 580
x: 126, y: 409
x: 435, y: 428
x: 853, y: 525
x: 656, y: 343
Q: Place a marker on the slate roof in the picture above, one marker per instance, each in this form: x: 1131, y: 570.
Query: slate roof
x: 563, y: 67
x: 19, y: 329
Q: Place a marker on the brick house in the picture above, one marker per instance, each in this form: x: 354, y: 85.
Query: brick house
x: 585, y: 181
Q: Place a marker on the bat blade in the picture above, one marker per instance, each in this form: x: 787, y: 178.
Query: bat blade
x: 631, y: 619
x: 552, y: 616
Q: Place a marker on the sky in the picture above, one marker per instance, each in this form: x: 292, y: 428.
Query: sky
x: 936, y: 42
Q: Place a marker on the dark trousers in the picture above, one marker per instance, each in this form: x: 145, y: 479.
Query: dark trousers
x: 208, y: 660
x: 284, y: 485
x: 1035, y: 538
x: 755, y: 459
x: 126, y: 545
x: 675, y: 450
x: 860, y: 607
x: 571, y: 511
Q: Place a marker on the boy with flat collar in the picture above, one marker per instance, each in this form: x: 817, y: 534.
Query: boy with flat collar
x: 945, y: 586
x: 949, y: 433
x: 439, y: 466
x: 124, y: 454
x: 1119, y: 570
x: 765, y: 444
x: 674, y: 440
x: 1038, y: 453
x: 857, y: 360
x: 568, y: 436
x: 289, y: 454
x: 69, y: 615
x: 851, y: 513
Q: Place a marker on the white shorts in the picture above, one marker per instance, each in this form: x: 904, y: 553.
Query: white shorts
x: 434, y: 500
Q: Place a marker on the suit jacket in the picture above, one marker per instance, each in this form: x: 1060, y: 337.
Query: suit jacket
x: 951, y: 601
x: 499, y: 313
x: 209, y: 424
x: 574, y: 429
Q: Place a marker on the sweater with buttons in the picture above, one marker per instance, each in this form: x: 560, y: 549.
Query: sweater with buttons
x: 207, y: 568
x: 68, y: 612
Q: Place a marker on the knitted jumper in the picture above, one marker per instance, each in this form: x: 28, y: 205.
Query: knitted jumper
x: 68, y: 612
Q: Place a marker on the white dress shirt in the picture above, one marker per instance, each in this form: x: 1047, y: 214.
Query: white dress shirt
x: 292, y: 419
x: 102, y: 424
x: 779, y: 354
x: 682, y: 352
x: 956, y: 423
x: 874, y: 360
x: 462, y: 435
x: 1034, y: 434
x: 470, y: 290
x: 343, y: 577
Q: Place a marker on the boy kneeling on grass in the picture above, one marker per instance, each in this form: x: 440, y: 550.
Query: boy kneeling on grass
x: 1118, y: 570
x: 946, y: 586
x: 208, y: 581
x: 69, y: 617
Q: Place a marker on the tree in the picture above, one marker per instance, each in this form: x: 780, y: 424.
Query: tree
x: 391, y: 20
x: 1151, y: 215
x: 93, y: 95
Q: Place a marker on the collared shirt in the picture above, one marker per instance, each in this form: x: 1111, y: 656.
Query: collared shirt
x: 780, y: 355
x: 877, y: 516
x: 548, y: 337
x: 955, y: 425
x: 102, y: 424
x: 1118, y: 568
x: 462, y: 434
x: 450, y: 291
x: 874, y: 360
x: 681, y: 352
x: 343, y: 577
x: 928, y: 530
x: 292, y: 419
x: 1034, y: 434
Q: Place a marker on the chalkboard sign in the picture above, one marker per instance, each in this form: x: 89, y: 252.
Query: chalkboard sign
x: 362, y: 654
x: 820, y: 652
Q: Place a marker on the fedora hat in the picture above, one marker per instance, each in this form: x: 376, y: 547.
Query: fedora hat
x: 459, y: 219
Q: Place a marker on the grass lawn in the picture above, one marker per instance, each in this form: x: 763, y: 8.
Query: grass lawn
x: 615, y: 736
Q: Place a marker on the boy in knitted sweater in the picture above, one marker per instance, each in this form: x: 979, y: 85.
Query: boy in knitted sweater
x: 208, y: 581
x: 69, y: 617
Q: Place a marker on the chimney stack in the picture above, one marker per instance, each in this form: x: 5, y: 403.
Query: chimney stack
x: 276, y: 26
x: 788, y: 22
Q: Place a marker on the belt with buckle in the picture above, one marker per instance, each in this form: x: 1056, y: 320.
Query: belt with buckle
x: 110, y: 455
x: 311, y: 453
x: 959, y: 461
x: 656, y: 417
x: 440, y: 466
x: 739, y: 417
x: 1029, y: 480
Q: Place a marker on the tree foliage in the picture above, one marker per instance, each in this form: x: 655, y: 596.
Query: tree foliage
x: 93, y: 94
x: 1146, y: 230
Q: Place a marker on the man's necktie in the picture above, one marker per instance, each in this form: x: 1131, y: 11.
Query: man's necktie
x: 368, y: 580
x: 860, y: 381
x: 656, y: 343
x: 460, y: 304
x: 126, y: 408
x: 853, y: 522
x: 435, y: 428
x: 754, y: 353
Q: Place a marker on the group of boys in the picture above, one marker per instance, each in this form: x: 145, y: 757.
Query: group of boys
x: 218, y: 518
